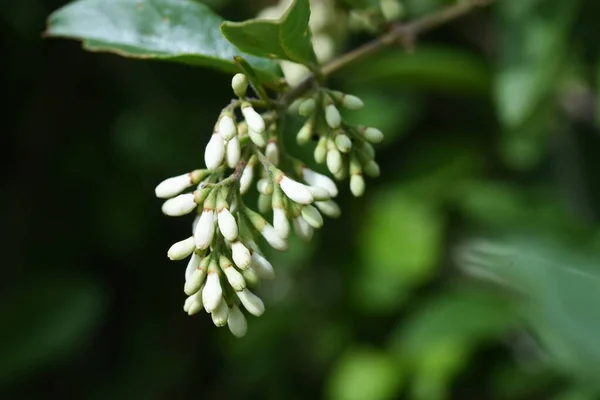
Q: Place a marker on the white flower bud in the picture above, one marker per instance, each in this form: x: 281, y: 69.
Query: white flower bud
x: 329, y: 208
x: 357, y: 185
x: 318, y: 193
x: 214, y: 152
x: 334, y: 160
x: 305, y: 133
x: 352, y: 102
x: 371, y: 169
x: 212, y: 291
x: 307, y: 107
x: 195, y: 282
x: 315, y: 179
x: 173, y: 186
x: 296, y: 191
x: 272, y: 152
x: 255, y: 122
x: 258, y: 138
x: 312, y: 216
x: 240, y: 254
x: 252, y: 279
x: 193, y: 304
x: 264, y: 203
x: 281, y: 223
x: 251, y: 302
x: 368, y: 149
x: 239, y: 84
x: 181, y: 249
x: 226, y: 126
x: 262, y: 267
x: 271, y: 236
x: 373, y: 135
x: 235, y: 279
x: 303, y: 229
x: 227, y: 224
x: 343, y: 143
x: 195, y: 222
x: 192, y: 265
x: 180, y: 205
x: 246, y: 178
x: 237, y: 322
x: 205, y: 230
x: 332, y: 116
x: 320, y: 153
x: 220, y: 314
x: 264, y: 186
x: 233, y: 152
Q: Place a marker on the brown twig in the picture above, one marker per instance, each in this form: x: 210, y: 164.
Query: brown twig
x: 404, y: 33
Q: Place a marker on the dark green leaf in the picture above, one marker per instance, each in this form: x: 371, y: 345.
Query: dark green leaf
x: 288, y: 38
x: 176, y: 30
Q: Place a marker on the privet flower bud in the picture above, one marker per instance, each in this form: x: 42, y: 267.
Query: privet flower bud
x: 305, y: 133
x: 258, y: 138
x: 251, y: 302
x: 247, y: 176
x: 181, y: 249
x: 240, y: 254
x: 193, y: 263
x: 312, y: 216
x: 332, y: 116
x: 318, y: 193
x: 264, y: 203
x: 266, y: 230
x: 262, y: 267
x: 196, y: 280
x: 233, y: 152
x: 239, y: 84
x: 235, y: 279
x: 226, y: 126
x: 272, y: 152
x: 173, y: 186
x: 220, y: 314
x: 237, y: 322
x: 357, y: 185
x: 252, y: 279
x: 329, y: 208
x: 334, y: 160
x: 343, y: 143
x: 307, y: 107
x: 214, y: 152
x: 264, y: 186
x: 303, y: 229
x: 255, y: 122
x: 205, y: 230
x: 371, y: 134
x: 371, y: 169
x: 315, y: 179
x: 296, y: 191
x: 321, y: 150
x: 347, y: 100
x: 227, y: 224
x: 212, y: 292
x: 280, y: 221
x: 193, y: 304
x: 180, y: 205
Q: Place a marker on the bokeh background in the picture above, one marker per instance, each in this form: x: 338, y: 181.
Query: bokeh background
x: 469, y: 270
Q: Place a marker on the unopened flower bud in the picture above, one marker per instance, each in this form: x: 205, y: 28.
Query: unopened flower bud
x: 315, y: 179
x: 240, y: 254
x: 334, y: 160
x: 305, y: 133
x: 239, y: 84
x: 226, y: 126
x: 193, y: 304
x: 347, y: 100
x: 212, y: 291
x: 173, y: 186
x: 252, y: 279
x: 214, y: 152
x: 237, y: 322
x: 357, y: 185
x: 281, y: 223
x: 312, y: 216
x: 272, y: 152
x: 266, y: 230
x: 329, y: 208
x: 227, y: 224
x: 251, y: 302
x: 179, y: 205
x: 318, y: 193
x: 307, y: 107
x: 255, y: 122
x: 343, y: 143
x: 181, y: 249
x: 192, y: 265
x: 196, y: 280
x: 264, y: 186
x: 264, y: 203
x: 371, y: 169
x: 296, y: 191
x: 320, y: 153
x: 235, y: 279
x: 205, y: 230
x: 262, y: 267
x: 258, y: 138
x: 303, y: 229
x: 247, y: 176
x: 220, y: 314
x: 332, y: 116
x: 233, y: 152
x: 371, y: 134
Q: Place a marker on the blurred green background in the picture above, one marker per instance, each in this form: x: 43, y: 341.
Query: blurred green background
x: 469, y: 270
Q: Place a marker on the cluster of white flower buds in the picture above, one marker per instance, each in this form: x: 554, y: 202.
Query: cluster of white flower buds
x: 345, y: 149
x: 225, y: 262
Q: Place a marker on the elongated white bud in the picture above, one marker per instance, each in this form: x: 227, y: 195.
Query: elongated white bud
x: 348, y: 101
x: 239, y: 84
x: 205, y: 230
x: 252, y: 279
x: 240, y: 254
x: 329, y: 208
x: 264, y: 186
x: 251, y: 302
x: 235, y: 279
x: 194, y: 263
x: 271, y: 236
x: 307, y: 107
x: 264, y: 203
x: 226, y: 126
x: 312, y: 216
x: 227, y: 225
x: 237, y: 322
x: 305, y: 133
x: 343, y: 143
x: 332, y: 116
x: 212, y: 291
x: 255, y: 122
x: 296, y: 191
x: 357, y: 185
x: 334, y: 160
x: 181, y: 249
x: 303, y: 229
x: 320, y: 153
x: 373, y: 135
x: 220, y: 314
x: 281, y: 223
x: 195, y: 282
x: 315, y: 179
x: 318, y: 193
x: 233, y: 152
x: 193, y: 304
x: 246, y: 178
x: 173, y: 186
x: 214, y: 152
x: 272, y: 152
x: 262, y: 267
x: 179, y: 205
x: 258, y: 138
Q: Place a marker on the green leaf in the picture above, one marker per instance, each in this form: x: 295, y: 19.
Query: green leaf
x: 288, y: 38
x: 560, y: 293
x: 45, y: 321
x: 182, y: 31
x: 364, y: 373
